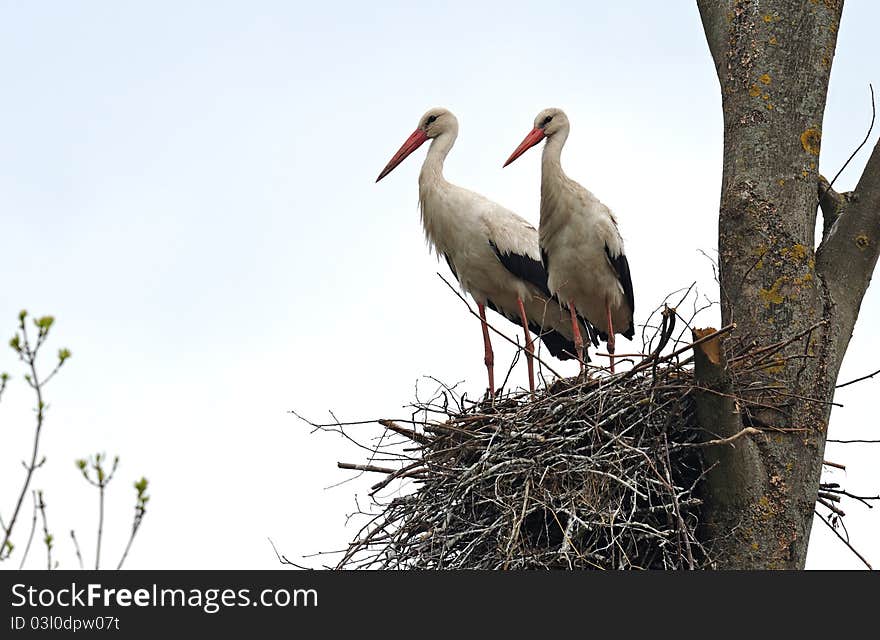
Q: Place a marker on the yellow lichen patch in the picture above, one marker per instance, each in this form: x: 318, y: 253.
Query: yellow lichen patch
x: 770, y: 107
x: 765, y: 79
x: 812, y: 165
x: 766, y: 96
x: 781, y: 182
x: 804, y: 174
x: 773, y: 40
x: 766, y: 508
x: 795, y: 252
x: 768, y: 18
x: 863, y: 242
x: 811, y: 140
x: 773, y: 295
x: 754, y: 91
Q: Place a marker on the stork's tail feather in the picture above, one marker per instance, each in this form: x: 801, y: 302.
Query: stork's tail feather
x: 593, y: 334
x: 596, y: 335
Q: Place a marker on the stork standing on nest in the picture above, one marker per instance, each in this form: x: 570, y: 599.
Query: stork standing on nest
x: 581, y: 247
x: 492, y: 252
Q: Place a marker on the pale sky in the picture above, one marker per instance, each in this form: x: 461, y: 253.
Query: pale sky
x: 190, y: 192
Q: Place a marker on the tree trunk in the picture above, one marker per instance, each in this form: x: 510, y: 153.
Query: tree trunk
x: 773, y: 59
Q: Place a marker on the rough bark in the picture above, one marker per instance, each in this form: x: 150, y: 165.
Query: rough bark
x: 773, y: 59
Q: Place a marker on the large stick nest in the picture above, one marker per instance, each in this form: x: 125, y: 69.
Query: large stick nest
x: 581, y: 477
x: 588, y: 473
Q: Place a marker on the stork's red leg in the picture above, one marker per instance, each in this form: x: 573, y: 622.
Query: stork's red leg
x: 490, y: 357
x: 610, y: 342
x: 578, y: 340
x: 530, y: 347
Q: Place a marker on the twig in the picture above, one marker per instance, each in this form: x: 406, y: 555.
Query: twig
x: 140, y: 509
x: 827, y: 504
x: 102, y: 479
x: 846, y: 384
x: 79, y: 557
x: 364, y: 467
x: 409, y: 433
x: 47, y: 537
x: 859, y: 148
x: 748, y: 431
x: 31, y: 536
x: 844, y: 540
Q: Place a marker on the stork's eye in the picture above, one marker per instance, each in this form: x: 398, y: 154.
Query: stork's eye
x: 430, y: 119
x: 547, y: 120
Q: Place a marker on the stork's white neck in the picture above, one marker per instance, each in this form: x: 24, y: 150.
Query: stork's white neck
x: 435, y: 218
x: 551, y: 159
x: 432, y: 168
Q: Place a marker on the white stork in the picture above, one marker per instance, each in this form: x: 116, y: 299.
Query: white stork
x: 492, y: 252
x: 581, y: 247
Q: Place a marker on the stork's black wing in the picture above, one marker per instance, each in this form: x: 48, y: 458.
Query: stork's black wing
x: 451, y: 266
x: 524, y: 267
x: 621, y: 266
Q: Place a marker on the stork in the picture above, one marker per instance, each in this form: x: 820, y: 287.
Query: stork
x: 491, y: 251
x: 581, y: 247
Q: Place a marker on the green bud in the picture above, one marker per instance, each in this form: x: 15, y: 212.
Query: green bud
x: 15, y: 343
x: 44, y: 323
x: 22, y: 314
x: 63, y: 354
x: 81, y: 465
x: 141, y: 486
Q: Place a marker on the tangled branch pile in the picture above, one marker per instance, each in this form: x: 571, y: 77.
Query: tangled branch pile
x: 595, y: 473
x: 581, y: 477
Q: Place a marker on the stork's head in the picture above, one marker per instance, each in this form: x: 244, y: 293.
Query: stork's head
x: 437, y: 121
x: 433, y: 124
x: 548, y: 123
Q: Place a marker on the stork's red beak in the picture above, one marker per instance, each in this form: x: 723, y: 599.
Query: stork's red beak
x: 535, y: 136
x: 416, y: 140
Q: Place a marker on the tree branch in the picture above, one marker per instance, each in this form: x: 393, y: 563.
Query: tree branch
x: 714, y: 14
x: 849, y: 251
